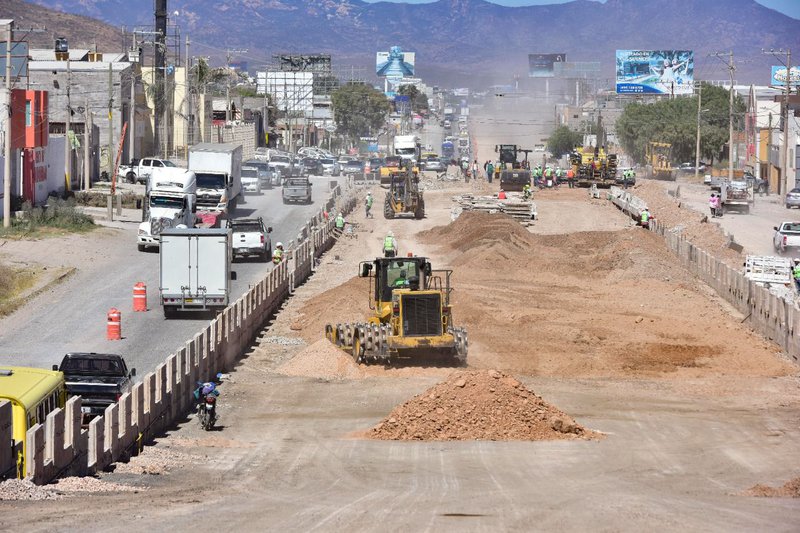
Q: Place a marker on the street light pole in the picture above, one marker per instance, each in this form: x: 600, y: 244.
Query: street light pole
x: 697, y: 144
x: 7, y: 131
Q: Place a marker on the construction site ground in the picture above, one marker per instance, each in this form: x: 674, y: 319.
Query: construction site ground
x: 687, y: 409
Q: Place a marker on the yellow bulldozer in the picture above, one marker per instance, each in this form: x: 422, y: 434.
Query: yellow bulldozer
x: 659, y: 166
x: 592, y: 165
x: 404, y: 197
x: 411, y: 318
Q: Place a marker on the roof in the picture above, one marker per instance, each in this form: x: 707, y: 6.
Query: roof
x: 77, y: 66
x: 24, y: 385
x: 48, y: 54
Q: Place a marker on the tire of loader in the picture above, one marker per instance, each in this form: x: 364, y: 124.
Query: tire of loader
x: 358, y: 348
x: 330, y: 334
x: 388, y: 212
x: 420, y: 212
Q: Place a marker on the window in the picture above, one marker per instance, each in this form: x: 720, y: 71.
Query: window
x: 27, y: 113
x: 157, y: 163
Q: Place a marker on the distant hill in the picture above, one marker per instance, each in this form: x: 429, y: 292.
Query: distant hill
x: 469, y: 42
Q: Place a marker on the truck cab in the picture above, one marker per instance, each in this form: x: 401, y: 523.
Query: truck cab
x: 218, y: 168
x: 171, y: 201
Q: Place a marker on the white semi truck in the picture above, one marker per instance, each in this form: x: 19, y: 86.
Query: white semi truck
x: 195, y: 269
x: 407, y: 147
x: 218, y: 168
x: 170, y: 201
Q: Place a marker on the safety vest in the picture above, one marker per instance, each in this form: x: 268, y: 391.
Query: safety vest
x: 570, y: 174
x: 277, y: 255
x: 369, y: 201
x: 645, y: 216
x: 339, y: 221
x: 388, y: 243
x: 796, y: 272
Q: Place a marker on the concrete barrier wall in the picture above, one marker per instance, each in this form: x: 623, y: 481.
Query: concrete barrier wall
x: 163, y: 397
x: 765, y: 313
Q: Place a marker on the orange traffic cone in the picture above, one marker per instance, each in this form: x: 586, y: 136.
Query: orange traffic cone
x: 114, y: 325
x: 140, y: 297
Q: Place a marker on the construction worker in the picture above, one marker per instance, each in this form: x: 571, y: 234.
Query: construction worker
x: 277, y: 254
x: 526, y: 191
x: 502, y: 195
x: 548, y: 176
x: 570, y: 178
x: 644, y: 219
x: 389, y: 245
x: 796, y: 274
x: 402, y: 281
x: 368, y: 205
x: 489, y: 171
x: 339, y: 221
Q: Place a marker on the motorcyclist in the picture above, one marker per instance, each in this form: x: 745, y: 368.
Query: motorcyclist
x: 277, y: 254
x: 206, y: 389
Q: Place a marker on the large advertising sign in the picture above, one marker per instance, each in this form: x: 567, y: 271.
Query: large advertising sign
x: 778, y: 78
x: 541, y: 65
x: 655, y: 71
x: 395, y: 63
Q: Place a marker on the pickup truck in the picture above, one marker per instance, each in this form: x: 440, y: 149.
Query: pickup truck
x: 98, y: 378
x: 140, y: 169
x: 787, y: 236
x: 297, y: 190
x: 250, y: 238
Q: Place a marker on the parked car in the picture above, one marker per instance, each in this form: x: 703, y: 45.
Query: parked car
x: 250, y: 237
x: 344, y: 159
x: 354, y: 169
x: 792, y: 198
x: 313, y: 166
x: 689, y: 167
x: 99, y: 378
x: 140, y: 169
x: 330, y: 166
x: 786, y: 237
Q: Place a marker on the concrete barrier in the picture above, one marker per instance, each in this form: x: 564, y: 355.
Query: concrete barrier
x: 766, y: 314
x: 163, y: 397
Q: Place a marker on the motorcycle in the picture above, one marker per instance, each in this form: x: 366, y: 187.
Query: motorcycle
x: 207, y: 412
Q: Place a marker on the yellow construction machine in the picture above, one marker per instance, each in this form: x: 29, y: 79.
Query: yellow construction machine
x: 592, y: 165
x: 404, y: 198
x: 411, y: 316
x: 658, y: 161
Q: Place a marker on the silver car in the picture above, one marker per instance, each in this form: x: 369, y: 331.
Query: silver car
x: 793, y: 198
x: 330, y: 166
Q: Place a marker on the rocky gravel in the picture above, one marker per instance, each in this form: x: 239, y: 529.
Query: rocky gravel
x: 790, y: 489
x: 24, y: 489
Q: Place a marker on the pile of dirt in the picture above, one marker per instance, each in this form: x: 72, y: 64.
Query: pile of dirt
x: 346, y: 303
x: 474, y: 229
x: 322, y: 360
x: 478, y: 405
x: 688, y: 222
x: 790, y: 489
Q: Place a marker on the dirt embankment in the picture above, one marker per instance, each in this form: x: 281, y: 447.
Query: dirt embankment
x: 478, y: 405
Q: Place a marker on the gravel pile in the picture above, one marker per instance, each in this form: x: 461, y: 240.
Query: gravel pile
x: 154, y: 461
x: 23, y: 489
x: 478, y: 405
x: 322, y: 360
x: 91, y: 484
x: 790, y: 489
x: 283, y: 341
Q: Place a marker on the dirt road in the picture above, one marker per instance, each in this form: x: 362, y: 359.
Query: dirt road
x: 597, y: 318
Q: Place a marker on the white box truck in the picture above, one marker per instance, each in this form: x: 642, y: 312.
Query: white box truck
x: 407, y: 147
x: 195, y: 269
x: 170, y: 201
x: 218, y: 168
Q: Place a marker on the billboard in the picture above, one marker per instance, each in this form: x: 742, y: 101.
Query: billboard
x: 541, y: 65
x: 778, y: 78
x: 320, y: 63
x: 293, y: 91
x: 19, y: 59
x: 395, y: 63
x: 655, y: 71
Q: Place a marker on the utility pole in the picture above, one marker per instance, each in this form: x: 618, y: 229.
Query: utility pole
x: 67, y: 144
x: 87, y: 135
x: 7, y: 140
x: 110, y: 122
x: 132, y: 113
x: 785, y: 145
x: 187, y: 106
x: 731, y: 70
x: 697, y: 144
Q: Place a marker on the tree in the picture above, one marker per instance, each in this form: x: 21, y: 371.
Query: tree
x: 359, y: 109
x: 675, y: 122
x: 419, y: 100
x: 562, y: 141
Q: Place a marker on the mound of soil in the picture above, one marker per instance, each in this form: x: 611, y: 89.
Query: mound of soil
x: 790, y: 489
x: 474, y: 229
x: 478, y: 405
x: 321, y: 360
x: 349, y: 302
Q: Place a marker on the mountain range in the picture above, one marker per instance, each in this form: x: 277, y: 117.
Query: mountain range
x: 466, y: 42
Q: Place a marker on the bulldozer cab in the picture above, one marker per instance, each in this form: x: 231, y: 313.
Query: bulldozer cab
x: 404, y: 273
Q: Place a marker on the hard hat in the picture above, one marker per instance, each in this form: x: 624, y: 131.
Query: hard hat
x: 279, y: 245
x: 390, y: 234
x: 369, y: 193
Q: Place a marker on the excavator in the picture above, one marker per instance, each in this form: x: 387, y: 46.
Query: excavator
x: 513, y: 175
x: 411, y: 318
x: 404, y: 197
x: 592, y: 165
x: 659, y: 166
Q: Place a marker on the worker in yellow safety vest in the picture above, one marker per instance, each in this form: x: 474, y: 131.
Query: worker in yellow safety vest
x: 277, y: 254
x: 389, y: 245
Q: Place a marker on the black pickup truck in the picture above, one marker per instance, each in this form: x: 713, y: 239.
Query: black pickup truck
x: 98, y: 378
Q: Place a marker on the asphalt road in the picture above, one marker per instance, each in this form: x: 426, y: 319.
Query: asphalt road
x: 71, y: 317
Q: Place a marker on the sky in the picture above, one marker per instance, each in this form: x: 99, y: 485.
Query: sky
x: 787, y: 7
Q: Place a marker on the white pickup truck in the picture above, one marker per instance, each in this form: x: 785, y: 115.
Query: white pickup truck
x: 140, y: 169
x: 250, y: 238
x: 787, y: 236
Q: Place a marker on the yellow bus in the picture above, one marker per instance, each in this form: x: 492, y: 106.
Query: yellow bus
x: 33, y: 393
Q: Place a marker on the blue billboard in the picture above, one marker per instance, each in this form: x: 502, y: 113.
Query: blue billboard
x: 655, y: 71
x: 779, y: 76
